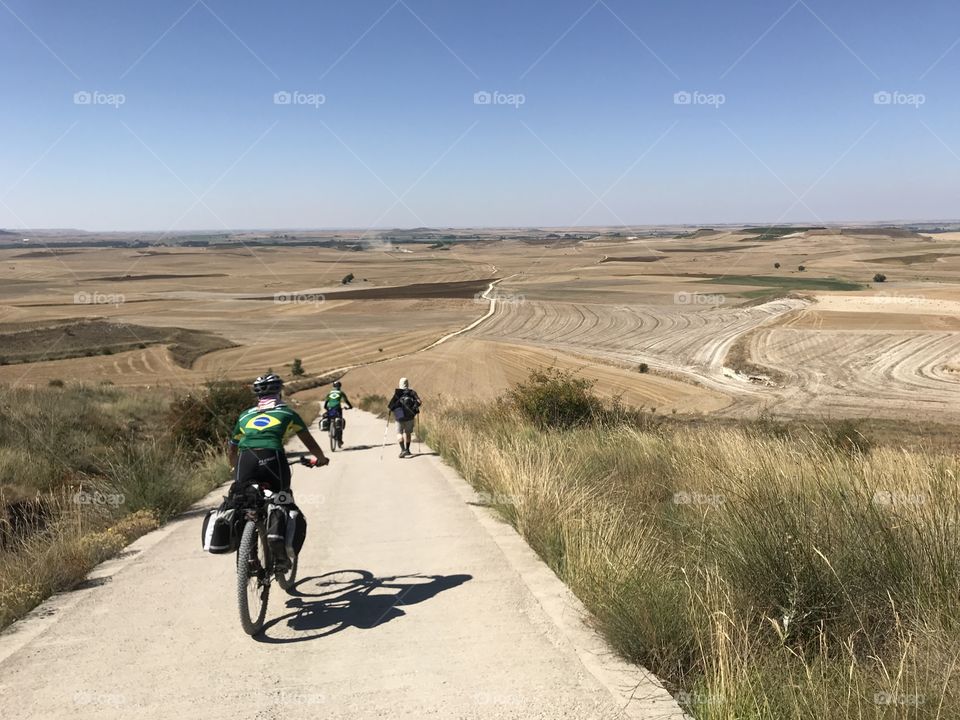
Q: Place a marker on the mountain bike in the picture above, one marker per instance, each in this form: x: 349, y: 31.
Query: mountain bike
x: 334, y: 426
x: 257, y: 562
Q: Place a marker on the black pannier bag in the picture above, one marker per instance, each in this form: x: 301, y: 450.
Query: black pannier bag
x: 276, y: 527
x: 220, y: 533
x: 296, y: 529
x: 286, y: 526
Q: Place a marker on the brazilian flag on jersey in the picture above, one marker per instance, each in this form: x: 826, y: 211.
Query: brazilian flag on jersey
x: 266, y: 429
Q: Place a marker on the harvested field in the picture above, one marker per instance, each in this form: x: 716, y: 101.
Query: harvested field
x: 417, y: 291
x: 468, y: 368
x: 911, y: 259
x: 129, y: 278
x: 826, y: 343
x: 689, y: 341
x: 720, y: 248
x: 633, y: 259
x: 94, y: 337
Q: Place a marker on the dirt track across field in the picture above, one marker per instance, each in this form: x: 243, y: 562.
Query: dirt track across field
x: 412, y: 603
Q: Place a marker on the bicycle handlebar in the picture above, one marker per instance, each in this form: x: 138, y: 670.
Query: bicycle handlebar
x: 301, y: 457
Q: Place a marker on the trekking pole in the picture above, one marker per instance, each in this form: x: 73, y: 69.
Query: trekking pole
x: 418, y: 434
x: 384, y: 443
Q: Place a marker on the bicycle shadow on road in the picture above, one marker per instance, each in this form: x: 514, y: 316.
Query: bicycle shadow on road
x: 330, y: 603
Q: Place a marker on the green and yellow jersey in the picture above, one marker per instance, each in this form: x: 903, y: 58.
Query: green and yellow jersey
x: 267, y: 429
x: 335, y: 399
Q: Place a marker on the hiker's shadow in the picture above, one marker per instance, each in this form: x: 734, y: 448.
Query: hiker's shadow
x: 329, y: 603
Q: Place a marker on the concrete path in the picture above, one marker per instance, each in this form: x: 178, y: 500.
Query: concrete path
x: 412, y: 603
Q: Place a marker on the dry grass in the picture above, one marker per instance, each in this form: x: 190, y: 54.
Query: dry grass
x: 761, y: 577
x: 85, y: 470
x: 376, y: 404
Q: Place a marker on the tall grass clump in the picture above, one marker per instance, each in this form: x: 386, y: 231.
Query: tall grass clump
x: 83, y: 471
x: 374, y: 403
x: 801, y: 574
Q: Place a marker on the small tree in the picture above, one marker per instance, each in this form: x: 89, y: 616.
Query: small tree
x: 776, y: 266
x: 347, y: 279
x: 643, y: 367
x: 879, y: 278
x: 296, y: 368
x: 802, y: 268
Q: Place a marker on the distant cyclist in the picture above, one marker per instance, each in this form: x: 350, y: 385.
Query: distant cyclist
x: 405, y: 406
x: 336, y: 401
x: 256, y: 446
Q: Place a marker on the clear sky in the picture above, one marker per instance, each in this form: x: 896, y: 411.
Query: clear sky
x: 140, y: 115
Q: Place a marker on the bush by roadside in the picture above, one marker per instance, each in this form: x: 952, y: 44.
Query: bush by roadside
x: 764, y: 573
x: 376, y: 404
x: 83, y: 471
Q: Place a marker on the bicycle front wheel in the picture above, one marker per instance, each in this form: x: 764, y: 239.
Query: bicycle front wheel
x: 253, y: 581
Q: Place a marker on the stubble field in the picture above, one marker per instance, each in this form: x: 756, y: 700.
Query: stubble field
x: 707, y: 322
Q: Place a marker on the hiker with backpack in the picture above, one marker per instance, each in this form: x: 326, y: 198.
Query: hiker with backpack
x: 405, y: 406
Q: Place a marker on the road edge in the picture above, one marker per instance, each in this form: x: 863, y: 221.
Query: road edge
x: 44, y: 616
x: 636, y: 690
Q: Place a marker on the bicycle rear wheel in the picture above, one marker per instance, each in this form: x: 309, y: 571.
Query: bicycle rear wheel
x: 253, y: 581
x: 287, y: 579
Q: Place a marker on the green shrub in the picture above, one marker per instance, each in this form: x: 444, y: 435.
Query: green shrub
x: 296, y: 368
x: 205, y: 417
x: 847, y: 437
x: 554, y: 398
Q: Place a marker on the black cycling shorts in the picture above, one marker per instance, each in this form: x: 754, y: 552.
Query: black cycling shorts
x: 267, y: 468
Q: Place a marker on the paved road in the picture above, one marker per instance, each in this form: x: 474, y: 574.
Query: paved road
x: 412, y: 604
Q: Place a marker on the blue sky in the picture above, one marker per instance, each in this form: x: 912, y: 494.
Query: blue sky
x: 186, y: 125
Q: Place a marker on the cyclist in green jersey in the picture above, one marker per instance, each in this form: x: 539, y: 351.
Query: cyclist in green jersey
x: 335, y: 403
x: 256, y: 445
x: 337, y: 398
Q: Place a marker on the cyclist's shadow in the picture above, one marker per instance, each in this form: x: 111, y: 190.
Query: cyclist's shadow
x: 329, y: 603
